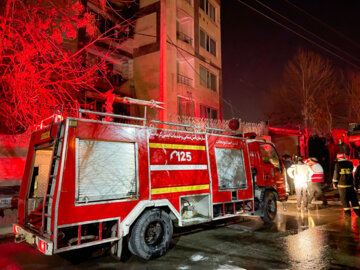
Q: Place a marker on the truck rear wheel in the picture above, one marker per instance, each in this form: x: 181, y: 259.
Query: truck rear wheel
x: 269, y: 207
x: 151, y: 235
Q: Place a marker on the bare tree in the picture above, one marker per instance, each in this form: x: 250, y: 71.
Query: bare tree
x: 307, y: 93
x: 352, y: 87
x: 39, y: 71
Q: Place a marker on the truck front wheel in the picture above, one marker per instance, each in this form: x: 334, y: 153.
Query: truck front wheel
x: 269, y: 207
x: 151, y: 235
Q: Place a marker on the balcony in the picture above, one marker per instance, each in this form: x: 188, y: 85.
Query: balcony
x: 184, y: 37
x: 184, y: 80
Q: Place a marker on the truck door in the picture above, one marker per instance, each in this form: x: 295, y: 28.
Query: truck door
x: 38, y: 185
x: 272, y: 170
x: 232, y: 189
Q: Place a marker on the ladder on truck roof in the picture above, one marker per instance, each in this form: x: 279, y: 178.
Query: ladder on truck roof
x: 125, y: 100
x: 152, y: 104
x: 50, y: 190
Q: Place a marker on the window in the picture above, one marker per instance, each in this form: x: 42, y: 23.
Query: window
x: 185, y: 73
x: 211, y: 12
x: 208, y: 8
x: 208, y: 79
x: 186, y: 107
x: 105, y: 170
x: 184, y: 26
x: 208, y: 112
x: 269, y: 155
x: 207, y: 42
x: 230, y: 168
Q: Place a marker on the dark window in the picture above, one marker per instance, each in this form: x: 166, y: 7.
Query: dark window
x: 202, y: 39
x: 203, y: 4
x: 207, y: 42
x: 186, y: 107
x: 208, y: 8
x: 208, y: 112
x: 211, y: 12
x: 212, y: 47
x: 212, y: 82
x: 203, y: 72
x: 208, y: 79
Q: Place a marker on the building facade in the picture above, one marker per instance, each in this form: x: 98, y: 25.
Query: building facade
x: 172, y: 54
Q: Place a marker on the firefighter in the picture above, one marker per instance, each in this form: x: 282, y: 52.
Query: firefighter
x: 300, y: 172
x: 343, y: 180
x: 317, y: 180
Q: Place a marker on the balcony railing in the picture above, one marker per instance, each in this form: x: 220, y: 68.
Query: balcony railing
x: 184, y: 80
x: 184, y: 37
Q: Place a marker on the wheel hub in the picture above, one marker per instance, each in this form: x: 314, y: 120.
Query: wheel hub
x: 271, y: 206
x: 154, y: 233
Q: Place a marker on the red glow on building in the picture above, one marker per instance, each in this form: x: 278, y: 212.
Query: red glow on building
x: 163, y: 59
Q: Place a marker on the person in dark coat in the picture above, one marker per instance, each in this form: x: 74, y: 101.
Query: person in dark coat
x: 347, y: 185
x: 290, y: 181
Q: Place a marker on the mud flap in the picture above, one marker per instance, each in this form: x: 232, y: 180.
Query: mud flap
x: 116, y: 247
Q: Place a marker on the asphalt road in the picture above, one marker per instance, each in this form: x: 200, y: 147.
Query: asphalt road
x: 317, y: 239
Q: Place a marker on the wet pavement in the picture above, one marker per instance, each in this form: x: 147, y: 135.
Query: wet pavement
x: 317, y: 239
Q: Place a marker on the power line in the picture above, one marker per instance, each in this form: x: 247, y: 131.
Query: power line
x: 324, y: 24
x: 298, y: 34
x: 307, y: 31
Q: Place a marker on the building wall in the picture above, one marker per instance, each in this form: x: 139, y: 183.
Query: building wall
x: 157, y: 56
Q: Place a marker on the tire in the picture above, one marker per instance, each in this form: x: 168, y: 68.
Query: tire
x: 151, y: 235
x: 269, y: 207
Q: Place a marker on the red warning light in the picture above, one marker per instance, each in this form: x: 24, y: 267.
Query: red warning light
x: 16, y: 230
x: 42, y: 246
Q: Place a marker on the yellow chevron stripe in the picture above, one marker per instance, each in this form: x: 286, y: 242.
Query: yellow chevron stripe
x: 346, y: 208
x: 177, y: 146
x: 178, y: 189
x: 356, y: 207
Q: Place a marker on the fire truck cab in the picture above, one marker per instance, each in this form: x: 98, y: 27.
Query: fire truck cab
x: 88, y: 182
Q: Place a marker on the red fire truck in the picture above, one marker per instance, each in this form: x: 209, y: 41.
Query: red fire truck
x: 348, y: 142
x: 88, y: 181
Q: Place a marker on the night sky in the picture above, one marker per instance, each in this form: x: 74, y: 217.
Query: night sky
x: 256, y: 50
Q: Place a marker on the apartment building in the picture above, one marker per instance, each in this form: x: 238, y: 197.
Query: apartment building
x: 170, y: 53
